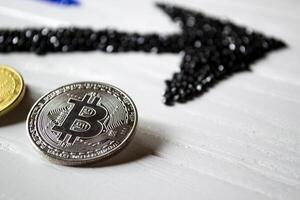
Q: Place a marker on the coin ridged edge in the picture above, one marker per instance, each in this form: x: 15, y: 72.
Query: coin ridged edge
x: 19, y: 96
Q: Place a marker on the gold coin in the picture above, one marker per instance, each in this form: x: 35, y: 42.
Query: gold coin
x: 12, y: 89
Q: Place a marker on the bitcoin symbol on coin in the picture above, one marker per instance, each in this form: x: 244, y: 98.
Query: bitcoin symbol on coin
x: 84, y: 120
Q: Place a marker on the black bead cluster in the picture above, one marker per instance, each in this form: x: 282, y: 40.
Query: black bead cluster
x: 213, y: 49
x: 45, y: 40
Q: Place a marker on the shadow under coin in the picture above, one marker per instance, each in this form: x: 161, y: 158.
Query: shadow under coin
x: 144, y: 144
x: 19, y: 113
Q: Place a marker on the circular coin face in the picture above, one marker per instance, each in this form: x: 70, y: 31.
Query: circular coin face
x: 82, y: 122
x: 11, y: 88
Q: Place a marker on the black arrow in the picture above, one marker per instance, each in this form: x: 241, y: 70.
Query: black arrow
x: 213, y: 49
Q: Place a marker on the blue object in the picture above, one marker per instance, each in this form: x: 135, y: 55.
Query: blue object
x: 65, y: 2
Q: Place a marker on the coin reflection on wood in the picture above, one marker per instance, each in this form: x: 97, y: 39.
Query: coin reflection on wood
x: 12, y: 89
x: 82, y: 122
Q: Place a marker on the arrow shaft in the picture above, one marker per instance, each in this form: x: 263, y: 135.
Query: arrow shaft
x: 44, y: 40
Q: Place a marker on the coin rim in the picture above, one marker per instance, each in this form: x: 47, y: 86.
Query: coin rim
x: 61, y: 161
x: 19, y: 96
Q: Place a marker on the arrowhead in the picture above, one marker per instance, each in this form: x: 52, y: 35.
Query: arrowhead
x: 213, y: 49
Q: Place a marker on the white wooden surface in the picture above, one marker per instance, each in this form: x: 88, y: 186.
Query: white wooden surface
x: 241, y: 140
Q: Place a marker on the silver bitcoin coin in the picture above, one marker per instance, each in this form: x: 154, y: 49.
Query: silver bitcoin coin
x: 82, y: 122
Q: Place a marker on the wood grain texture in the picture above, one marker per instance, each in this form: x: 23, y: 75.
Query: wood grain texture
x: 238, y: 141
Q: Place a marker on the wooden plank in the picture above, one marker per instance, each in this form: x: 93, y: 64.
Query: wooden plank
x: 239, y: 141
